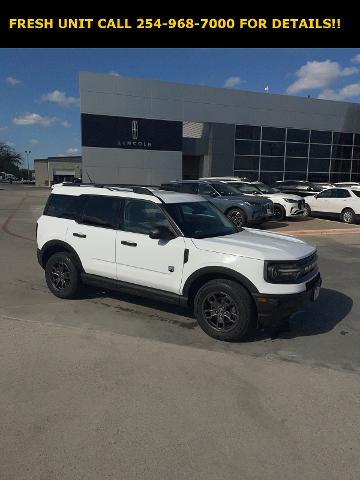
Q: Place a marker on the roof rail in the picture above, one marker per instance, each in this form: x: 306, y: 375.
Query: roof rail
x: 141, y: 189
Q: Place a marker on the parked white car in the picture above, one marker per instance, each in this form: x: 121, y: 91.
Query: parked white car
x: 343, y: 203
x: 174, y: 247
x: 285, y: 205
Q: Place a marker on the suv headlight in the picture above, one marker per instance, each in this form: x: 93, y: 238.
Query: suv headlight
x: 290, y: 272
x: 290, y: 200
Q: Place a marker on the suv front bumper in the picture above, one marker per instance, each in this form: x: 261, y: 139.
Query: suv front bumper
x: 274, y: 309
x: 260, y: 216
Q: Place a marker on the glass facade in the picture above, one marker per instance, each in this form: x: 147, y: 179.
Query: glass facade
x: 271, y: 153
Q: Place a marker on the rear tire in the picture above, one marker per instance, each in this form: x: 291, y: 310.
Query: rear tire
x: 62, y: 275
x: 237, y: 217
x: 307, y: 211
x: 279, y: 212
x: 348, y: 216
x: 224, y: 310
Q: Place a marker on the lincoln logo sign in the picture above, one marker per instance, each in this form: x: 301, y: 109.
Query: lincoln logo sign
x: 135, y: 129
x: 107, y: 131
x: 135, y: 142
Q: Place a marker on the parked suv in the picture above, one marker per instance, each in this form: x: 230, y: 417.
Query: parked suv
x: 342, y: 203
x: 285, y: 205
x: 242, y: 210
x: 174, y: 247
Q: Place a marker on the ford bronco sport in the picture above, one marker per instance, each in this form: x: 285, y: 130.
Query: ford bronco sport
x: 175, y: 247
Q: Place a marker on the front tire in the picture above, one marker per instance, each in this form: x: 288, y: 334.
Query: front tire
x: 307, y: 211
x: 224, y: 310
x: 237, y: 217
x: 279, y: 212
x: 348, y: 216
x: 62, y: 275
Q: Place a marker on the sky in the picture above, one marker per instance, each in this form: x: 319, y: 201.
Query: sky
x: 39, y: 88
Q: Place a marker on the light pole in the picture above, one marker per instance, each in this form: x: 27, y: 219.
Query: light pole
x: 27, y: 157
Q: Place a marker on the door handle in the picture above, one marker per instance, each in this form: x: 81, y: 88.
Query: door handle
x: 80, y: 235
x: 128, y: 244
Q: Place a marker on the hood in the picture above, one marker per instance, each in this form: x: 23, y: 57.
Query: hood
x: 253, y: 243
x: 283, y: 195
x: 254, y: 199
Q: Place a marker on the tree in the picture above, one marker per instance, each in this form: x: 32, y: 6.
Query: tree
x: 10, y: 160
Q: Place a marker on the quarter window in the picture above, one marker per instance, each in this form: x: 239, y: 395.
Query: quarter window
x: 62, y: 206
x: 341, y: 193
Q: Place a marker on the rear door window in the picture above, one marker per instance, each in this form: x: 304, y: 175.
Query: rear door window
x: 101, y: 211
x: 340, y: 193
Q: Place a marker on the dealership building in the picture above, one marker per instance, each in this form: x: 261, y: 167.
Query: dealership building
x: 147, y: 131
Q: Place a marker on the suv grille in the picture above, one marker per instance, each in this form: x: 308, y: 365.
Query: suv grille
x: 267, y: 207
x: 307, y: 265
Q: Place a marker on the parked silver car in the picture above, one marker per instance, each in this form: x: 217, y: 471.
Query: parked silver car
x: 242, y: 210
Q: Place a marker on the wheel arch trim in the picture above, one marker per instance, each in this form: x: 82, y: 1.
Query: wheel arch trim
x: 58, y: 245
x: 221, y: 271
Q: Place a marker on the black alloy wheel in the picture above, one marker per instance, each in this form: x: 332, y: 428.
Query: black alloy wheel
x: 237, y: 216
x: 220, y: 311
x: 224, y: 310
x: 62, y: 275
x: 279, y: 212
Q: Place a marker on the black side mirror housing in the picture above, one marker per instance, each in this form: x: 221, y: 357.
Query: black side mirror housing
x: 160, y: 232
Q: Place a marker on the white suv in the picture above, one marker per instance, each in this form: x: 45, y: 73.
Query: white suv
x: 342, y: 203
x: 285, y: 205
x: 174, y: 247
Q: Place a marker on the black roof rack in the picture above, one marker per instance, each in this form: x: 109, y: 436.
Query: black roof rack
x: 141, y: 189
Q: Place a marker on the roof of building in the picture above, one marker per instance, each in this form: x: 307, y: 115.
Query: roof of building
x: 75, y: 159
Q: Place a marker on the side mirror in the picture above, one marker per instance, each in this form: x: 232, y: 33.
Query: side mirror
x: 214, y: 194
x: 160, y: 232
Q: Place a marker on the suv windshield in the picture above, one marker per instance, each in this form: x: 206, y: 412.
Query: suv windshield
x: 200, y: 219
x: 265, y: 188
x: 224, y: 189
x: 245, y: 187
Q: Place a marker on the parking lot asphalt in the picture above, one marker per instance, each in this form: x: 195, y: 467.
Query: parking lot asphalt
x: 112, y: 386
